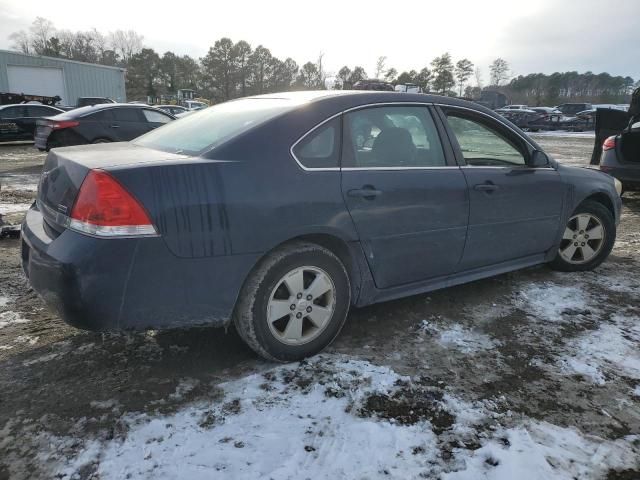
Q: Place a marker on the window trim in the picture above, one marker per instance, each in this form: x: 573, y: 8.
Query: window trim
x: 526, y: 142
x: 319, y: 169
x: 448, y: 155
x: 158, y: 111
x: 441, y: 129
x: 522, y: 144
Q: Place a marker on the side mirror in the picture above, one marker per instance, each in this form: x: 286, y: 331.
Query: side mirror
x: 539, y: 159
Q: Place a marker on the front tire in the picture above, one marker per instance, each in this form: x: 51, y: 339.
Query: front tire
x: 587, y: 239
x: 294, y: 302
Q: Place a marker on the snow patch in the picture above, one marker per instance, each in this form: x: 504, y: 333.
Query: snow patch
x: 305, y: 421
x: 11, y: 318
x: 4, y: 301
x: 466, y: 340
x: 28, y: 339
x: 6, y: 208
x: 549, y: 301
x: 541, y: 451
x: 609, y: 350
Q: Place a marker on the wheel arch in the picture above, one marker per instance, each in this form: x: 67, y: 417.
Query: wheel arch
x: 602, y: 198
x: 347, y: 252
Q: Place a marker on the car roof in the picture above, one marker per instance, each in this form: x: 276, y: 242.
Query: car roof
x: 89, y: 109
x: 29, y: 104
x: 364, y: 97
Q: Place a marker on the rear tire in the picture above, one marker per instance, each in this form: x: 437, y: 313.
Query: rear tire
x: 294, y: 303
x: 587, y: 239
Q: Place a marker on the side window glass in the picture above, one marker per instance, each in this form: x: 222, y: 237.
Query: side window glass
x: 482, y: 145
x: 156, y: 117
x: 320, y: 149
x: 392, y: 137
x: 12, y: 112
x: 126, y: 114
x: 101, y: 116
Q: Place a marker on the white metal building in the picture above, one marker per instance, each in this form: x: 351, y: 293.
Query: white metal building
x: 36, y: 75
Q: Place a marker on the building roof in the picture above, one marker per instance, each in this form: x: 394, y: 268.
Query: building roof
x: 59, y: 59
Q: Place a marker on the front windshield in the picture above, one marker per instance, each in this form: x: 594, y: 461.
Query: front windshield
x: 210, y: 127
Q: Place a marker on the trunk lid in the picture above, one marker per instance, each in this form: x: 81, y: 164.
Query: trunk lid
x: 66, y: 168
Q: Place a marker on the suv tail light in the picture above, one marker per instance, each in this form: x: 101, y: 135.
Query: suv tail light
x: 59, y: 125
x: 609, y: 143
x: 104, y: 208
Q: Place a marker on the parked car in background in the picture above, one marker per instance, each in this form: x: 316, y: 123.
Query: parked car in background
x: 373, y: 84
x: 280, y: 212
x: 172, y: 109
x: 18, y: 122
x: 546, y: 110
x: 86, y: 101
x: 572, y: 108
x: 513, y: 107
x: 194, y: 105
x: 620, y: 155
x: 408, y: 88
x: 109, y: 122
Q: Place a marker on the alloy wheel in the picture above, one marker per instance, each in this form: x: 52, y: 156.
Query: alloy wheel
x: 583, y: 239
x: 301, y: 305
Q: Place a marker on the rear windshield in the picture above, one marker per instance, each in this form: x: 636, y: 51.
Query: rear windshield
x: 208, y: 128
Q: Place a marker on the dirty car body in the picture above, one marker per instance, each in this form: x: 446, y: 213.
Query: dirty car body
x: 280, y: 169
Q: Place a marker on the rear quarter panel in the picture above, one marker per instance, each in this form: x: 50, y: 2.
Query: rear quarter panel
x: 248, y: 198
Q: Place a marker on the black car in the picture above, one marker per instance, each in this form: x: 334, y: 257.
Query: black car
x: 87, y: 101
x: 109, y: 122
x: 280, y: 212
x: 18, y: 122
x: 172, y: 109
x: 374, y: 84
x: 573, y: 108
x: 621, y: 153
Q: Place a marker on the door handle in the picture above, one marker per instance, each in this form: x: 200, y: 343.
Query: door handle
x: 486, y: 187
x: 115, y: 126
x: 368, y: 193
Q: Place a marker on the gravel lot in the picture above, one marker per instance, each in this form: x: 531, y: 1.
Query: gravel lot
x: 529, y: 375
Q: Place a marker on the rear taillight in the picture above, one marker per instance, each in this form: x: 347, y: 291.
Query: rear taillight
x: 63, y: 124
x: 609, y: 144
x: 105, y: 208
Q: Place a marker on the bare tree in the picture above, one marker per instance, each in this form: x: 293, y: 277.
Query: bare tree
x: 499, y: 71
x: 381, y: 64
x: 478, y: 75
x: 20, y: 41
x: 126, y: 43
x: 41, y: 32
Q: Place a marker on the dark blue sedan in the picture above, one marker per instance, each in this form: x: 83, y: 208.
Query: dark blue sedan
x: 279, y: 212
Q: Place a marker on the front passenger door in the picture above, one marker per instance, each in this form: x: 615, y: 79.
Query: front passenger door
x: 515, y: 208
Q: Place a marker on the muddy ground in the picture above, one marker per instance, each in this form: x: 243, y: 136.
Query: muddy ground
x: 537, y: 345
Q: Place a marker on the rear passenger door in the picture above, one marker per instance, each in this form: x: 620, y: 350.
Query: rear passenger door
x: 128, y: 123
x: 515, y: 208
x: 404, y: 192
x: 33, y: 113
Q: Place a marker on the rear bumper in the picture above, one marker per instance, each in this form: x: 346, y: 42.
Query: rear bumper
x: 128, y: 283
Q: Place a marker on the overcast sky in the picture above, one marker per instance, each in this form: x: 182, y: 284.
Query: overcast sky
x: 533, y: 36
